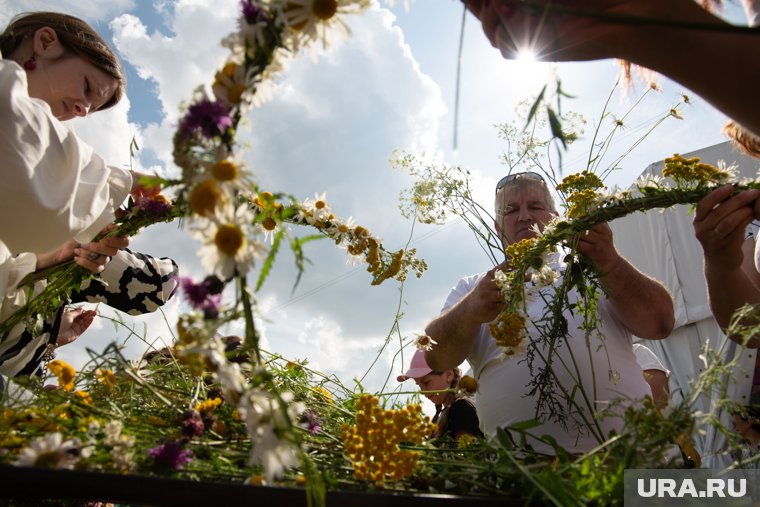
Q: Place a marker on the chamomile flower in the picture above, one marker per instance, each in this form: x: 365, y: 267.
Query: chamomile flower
x: 229, y: 246
x: 654, y: 181
x: 51, y: 451
x: 313, y: 21
x: 424, y: 342
x: 340, y: 229
x: 233, y: 84
x: 265, y: 422
x: 317, y: 211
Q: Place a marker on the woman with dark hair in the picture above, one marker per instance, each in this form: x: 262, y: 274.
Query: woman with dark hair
x: 54, y: 67
x: 56, y: 194
x: 455, y: 413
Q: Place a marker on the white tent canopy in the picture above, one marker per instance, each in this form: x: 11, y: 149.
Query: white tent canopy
x: 662, y: 244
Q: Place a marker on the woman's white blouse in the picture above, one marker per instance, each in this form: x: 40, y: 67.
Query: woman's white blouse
x: 53, y: 187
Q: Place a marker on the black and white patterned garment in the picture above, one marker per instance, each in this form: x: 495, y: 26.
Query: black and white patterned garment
x: 131, y: 282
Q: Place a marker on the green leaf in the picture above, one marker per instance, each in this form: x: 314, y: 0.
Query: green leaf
x: 525, y: 425
x: 296, y: 245
x: 267, y: 266
x: 534, y: 107
x: 556, y: 126
x: 504, y: 439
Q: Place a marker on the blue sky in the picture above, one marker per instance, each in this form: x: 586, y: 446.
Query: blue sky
x: 331, y: 127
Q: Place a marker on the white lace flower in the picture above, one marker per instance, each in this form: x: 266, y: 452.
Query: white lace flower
x: 112, y: 432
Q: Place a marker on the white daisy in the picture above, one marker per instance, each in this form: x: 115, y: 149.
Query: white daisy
x: 317, y: 210
x: 51, y: 451
x: 229, y: 246
x: 731, y: 171
x: 234, y: 84
x: 266, y: 426
x: 650, y: 181
x: 311, y: 21
x: 340, y: 230
x: 424, y: 342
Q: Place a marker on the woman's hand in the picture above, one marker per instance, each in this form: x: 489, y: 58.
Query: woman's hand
x: 90, y: 256
x: 74, y: 322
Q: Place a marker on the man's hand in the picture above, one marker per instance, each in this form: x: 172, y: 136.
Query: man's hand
x: 598, y: 246
x: 485, y: 301
x: 74, y: 322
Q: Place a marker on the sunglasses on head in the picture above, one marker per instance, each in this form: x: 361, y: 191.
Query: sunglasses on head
x: 512, y: 177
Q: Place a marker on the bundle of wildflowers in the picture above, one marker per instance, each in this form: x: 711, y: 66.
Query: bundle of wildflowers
x: 63, y: 279
x: 234, y: 220
x: 156, y: 417
x: 372, y: 444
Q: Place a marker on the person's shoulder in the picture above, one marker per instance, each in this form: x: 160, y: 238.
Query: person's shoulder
x: 463, y: 404
x: 471, y: 280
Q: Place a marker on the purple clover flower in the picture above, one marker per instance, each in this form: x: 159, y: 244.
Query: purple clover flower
x: 195, y: 293
x: 171, y: 455
x: 253, y: 13
x: 211, y: 118
x: 204, y: 296
x: 312, y: 421
x: 192, y: 424
x: 153, y: 207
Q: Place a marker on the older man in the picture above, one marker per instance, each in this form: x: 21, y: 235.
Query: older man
x: 590, y: 372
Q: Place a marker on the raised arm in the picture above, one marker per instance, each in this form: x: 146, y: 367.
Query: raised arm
x: 456, y: 329
x: 719, y: 224
x: 696, y: 57
x: 641, y: 303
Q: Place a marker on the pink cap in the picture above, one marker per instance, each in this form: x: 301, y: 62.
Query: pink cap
x: 417, y: 369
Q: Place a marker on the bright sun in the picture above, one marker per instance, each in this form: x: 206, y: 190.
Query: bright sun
x: 526, y: 55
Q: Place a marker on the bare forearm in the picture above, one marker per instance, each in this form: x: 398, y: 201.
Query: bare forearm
x: 728, y: 290
x: 455, y: 334
x: 641, y: 303
x: 701, y: 59
x: 48, y: 259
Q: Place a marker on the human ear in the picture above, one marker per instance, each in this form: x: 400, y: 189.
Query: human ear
x: 47, y: 44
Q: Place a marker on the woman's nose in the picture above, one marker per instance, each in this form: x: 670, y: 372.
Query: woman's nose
x: 81, y: 108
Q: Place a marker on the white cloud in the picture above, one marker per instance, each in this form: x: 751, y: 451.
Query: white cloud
x: 93, y: 12
x: 331, y: 127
